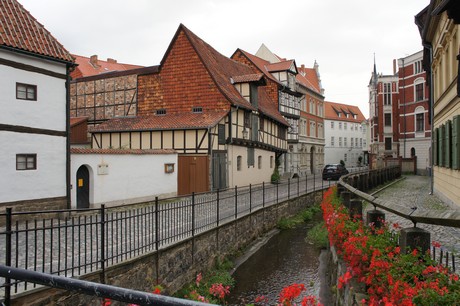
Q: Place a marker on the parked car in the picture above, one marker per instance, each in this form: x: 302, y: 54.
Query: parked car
x: 334, y: 171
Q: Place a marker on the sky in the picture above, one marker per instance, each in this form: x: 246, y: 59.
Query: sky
x: 341, y: 36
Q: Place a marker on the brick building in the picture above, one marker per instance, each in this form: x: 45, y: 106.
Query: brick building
x: 399, y: 114
x: 215, y: 112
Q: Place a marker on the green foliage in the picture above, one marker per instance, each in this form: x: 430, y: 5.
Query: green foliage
x: 304, y: 216
x: 342, y: 162
x: 200, y: 289
x: 318, y: 235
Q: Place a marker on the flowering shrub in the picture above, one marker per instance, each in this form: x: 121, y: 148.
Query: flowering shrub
x: 373, y: 257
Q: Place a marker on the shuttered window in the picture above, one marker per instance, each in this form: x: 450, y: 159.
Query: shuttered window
x: 436, y: 147
x: 251, y: 157
x: 448, y: 145
x: 456, y: 143
x: 442, y: 146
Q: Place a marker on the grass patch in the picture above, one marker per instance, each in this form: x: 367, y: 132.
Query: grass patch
x: 318, y: 235
x: 304, y: 216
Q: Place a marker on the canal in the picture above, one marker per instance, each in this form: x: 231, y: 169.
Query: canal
x: 285, y: 259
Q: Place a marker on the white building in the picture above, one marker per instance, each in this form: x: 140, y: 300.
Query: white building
x: 346, y: 134
x: 34, y: 68
x: 115, y: 177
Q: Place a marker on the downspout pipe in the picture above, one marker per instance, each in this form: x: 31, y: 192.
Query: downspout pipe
x: 430, y: 47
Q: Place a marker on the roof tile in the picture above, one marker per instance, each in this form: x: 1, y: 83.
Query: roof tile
x: 20, y: 30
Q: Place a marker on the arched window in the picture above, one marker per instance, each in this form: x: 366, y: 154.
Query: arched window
x: 419, y: 114
x: 412, y: 152
x: 238, y: 163
x: 419, y: 87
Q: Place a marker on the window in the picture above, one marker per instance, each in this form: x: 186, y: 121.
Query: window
x: 340, y: 125
x: 388, y: 143
x: 26, y: 92
x: 238, y: 163
x: 259, y: 162
x: 387, y: 93
x: 345, y: 126
x: 161, y: 111
x: 387, y: 119
x: 26, y: 161
x: 419, y: 123
x: 340, y: 141
x: 247, y: 119
x: 418, y: 67
x: 221, y: 134
x: 344, y: 141
x: 197, y: 110
x: 251, y: 157
x: 351, y: 142
x: 345, y: 157
x: 356, y: 141
x: 419, y: 92
x: 332, y: 124
x: 271, y: 161
x: 261, y: 123
x: 332, y: 141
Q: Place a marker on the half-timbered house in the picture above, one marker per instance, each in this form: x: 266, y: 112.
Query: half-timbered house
x: 34, y: 126
x: 214, y: 111
x: 305, y: 155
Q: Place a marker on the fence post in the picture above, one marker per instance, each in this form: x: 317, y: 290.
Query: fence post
x: 289, y: 188
x: 277, y: 196
x: 102, y: 211
x: 236, y: 202
x: 250, y: 198
x: 412, y: 238
x: 218, y: 208
x: 298, y: 186
x: 263, y: 194
x: 8, y: 255
x: 193, y: 214
x: 157, y: 240
x: 314, y: 181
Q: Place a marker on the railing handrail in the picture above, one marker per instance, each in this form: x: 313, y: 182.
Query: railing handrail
x: 450, y: 217
x: 94, y: 289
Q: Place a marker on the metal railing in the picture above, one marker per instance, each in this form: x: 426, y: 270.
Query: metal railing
x: 360, y: 182
x: 72, y: 243
x: 95, y: 289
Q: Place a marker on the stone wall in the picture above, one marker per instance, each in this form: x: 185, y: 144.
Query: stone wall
x: 177, y: 265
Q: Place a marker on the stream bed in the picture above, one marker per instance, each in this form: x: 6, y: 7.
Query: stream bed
x: 285, y: 259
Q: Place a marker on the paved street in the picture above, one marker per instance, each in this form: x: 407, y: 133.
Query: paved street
x: 414, y: 191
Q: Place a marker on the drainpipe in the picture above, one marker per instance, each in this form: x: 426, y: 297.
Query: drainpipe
x: 430, y: 47
x: 68, y: 170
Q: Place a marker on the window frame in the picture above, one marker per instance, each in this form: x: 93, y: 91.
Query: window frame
x: 27, y: 87
x: 26, y: 162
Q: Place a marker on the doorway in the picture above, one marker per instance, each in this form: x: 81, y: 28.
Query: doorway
x: 83, y: 187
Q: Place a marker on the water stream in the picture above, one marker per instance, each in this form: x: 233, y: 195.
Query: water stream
x: 285, y: 259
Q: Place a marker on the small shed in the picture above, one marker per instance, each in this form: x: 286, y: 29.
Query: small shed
x: 119, y: 176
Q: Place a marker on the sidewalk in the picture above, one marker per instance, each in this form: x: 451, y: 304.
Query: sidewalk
x: 413, y: 191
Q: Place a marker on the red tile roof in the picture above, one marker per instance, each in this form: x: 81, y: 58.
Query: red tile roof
x: 220, y: 67
x: 281, y: 66
x: 223, y: 69
x: 20, y: 30
x: 261, y: 64
x: 332, y: 110
x: 161, y: 122
x: 309, y: 78
x: 121, y: 151
x: 256, y: 77
x: 77, y: 120
x: 89, y: 66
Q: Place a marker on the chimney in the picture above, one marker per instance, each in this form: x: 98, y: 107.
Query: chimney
x: 93, y: 61
x: 394, y: 66
x: 111, y: 61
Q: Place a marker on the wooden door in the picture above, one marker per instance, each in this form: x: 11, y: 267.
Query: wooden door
x: 193, y: 174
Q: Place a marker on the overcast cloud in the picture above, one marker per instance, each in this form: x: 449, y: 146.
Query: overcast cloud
x: 342, y: 36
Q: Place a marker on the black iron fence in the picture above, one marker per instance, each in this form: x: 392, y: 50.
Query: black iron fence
x: 72, y: 243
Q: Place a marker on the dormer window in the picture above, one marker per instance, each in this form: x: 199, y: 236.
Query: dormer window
x: 197, y: 110
x: 160, y: 112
